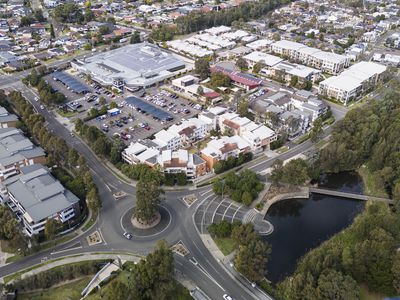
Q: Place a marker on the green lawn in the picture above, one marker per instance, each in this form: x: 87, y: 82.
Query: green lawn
x: 282, y: 149
x: 68, y: 114
x: 226, y: 245
x: 372, y: 185
x: 69, y: 291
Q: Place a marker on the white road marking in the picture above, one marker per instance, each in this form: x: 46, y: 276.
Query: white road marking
x: 215, y: 211
x: 226, y: 210
x: 204, y: 214
x: 233, y: 217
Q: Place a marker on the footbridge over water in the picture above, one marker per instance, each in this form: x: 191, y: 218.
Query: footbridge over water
x: 323, y: 191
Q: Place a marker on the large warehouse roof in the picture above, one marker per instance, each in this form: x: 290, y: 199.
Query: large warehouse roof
x: 148, y: 108
x: 140, y: 64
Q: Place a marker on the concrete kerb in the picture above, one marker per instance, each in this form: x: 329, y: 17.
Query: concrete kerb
x: 304, y: 193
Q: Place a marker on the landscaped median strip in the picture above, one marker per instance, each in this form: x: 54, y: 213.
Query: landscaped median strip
x: 70, y: 260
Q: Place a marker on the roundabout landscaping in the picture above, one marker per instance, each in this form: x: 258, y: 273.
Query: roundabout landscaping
x: 160, y: 222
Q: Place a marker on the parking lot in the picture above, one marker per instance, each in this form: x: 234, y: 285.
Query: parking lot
x: 129, y: 122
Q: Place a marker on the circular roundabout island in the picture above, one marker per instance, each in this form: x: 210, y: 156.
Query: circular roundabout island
x: 160, y: 221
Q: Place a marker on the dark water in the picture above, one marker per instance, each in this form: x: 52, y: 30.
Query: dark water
x: 303, y: 224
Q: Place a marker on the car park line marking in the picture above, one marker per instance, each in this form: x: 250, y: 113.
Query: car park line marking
x: 226, y: 210
x: 204, y: 214
x: 239, y: 207
x: 206, y: 192
x: 215, y: 211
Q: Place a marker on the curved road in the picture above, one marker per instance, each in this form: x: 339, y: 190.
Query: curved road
x: 199, y: 266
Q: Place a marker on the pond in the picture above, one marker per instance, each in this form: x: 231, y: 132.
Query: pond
x: 302, y: 224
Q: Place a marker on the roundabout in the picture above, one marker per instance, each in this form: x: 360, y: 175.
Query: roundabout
x: 161, y: 222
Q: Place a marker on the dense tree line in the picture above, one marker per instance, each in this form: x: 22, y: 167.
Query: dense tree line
x: 368, y: 135
x: 243, y: 187
x: 68, y: 13
x: 99, y: 142
x: 364, y: 253
x: 150, y: 279
x: 78, y: 178
x: 56, y: 275
x: 197, y: 20
x: 295, y: 172
x: 47, y: 94
x: 252, y: 253
x: 232, y: 162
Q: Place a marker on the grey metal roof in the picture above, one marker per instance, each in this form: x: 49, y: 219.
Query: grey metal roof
x: 39, y: 193
x: 14, y: 147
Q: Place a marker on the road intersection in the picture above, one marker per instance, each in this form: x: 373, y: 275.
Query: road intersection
x: 186, y: 223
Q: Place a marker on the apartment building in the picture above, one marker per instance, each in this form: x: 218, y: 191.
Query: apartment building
x: 170, y: 161
x: 256, y: 135
x: 260, y: 57
x: 167, y: 140
x: 35, y: 196
x: 352, y: 83
x: 6, y: 119
x: 190, y: 131
x: 285, y: 71
x: 328, y: 62
x: 221, y: 149
x: 181, y: 161
x: 17, y: 151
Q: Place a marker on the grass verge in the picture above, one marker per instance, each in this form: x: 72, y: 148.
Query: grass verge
x: 71, y: 290
x: 226, y: 245
x: 372, y: 185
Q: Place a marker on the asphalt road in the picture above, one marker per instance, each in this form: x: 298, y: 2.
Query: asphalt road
x: 207, y: 273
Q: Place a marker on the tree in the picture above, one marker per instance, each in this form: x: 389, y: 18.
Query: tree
x: 276, y: 37
x: 148, y: 198
x: 396, y: 272
x: 202, y: 67
x: 181, y: 178
x: 153, y: 278
x: 221, y: 230
x: 276, y: 174
x: 135, y: 38
x: 242, y: 64
x: 252, y: 258
x: 52, y: 33
x: 50, y: 229
x: 243, y: 109
x: 218, y: 79
x: 200, y: 90
x: 294, y: 80
x: 93, y: 199
x: 334, y: 285
x: 116, y: 290
x: 113, y: 104
x: 316, y: 131
x: 257, y: 67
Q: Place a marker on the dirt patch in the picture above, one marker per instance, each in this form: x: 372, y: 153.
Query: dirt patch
x: 153, y: 222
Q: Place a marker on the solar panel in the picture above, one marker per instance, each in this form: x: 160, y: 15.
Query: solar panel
x: 71, y: 82
x: 148, y: 108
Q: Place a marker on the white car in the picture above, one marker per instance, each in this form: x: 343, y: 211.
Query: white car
x: 41, y: 107
x: 227, y: 297
x: 36, y: 99
x: 127, y: 235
